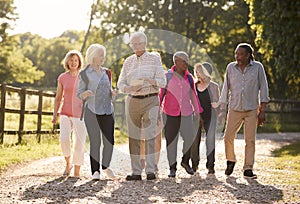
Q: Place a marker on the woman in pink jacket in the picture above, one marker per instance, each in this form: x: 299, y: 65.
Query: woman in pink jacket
x: 180, y: 106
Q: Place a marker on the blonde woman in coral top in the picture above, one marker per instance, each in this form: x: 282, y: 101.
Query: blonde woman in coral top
x: 66, y: 96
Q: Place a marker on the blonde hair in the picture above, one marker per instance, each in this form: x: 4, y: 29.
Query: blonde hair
x: 92, y: 52
x: 204, y: 75
x: 70, y: 54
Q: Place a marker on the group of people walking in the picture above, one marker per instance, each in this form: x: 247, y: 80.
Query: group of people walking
x: 173, y: 102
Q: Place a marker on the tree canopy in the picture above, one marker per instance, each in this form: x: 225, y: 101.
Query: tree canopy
x: 207, y: 30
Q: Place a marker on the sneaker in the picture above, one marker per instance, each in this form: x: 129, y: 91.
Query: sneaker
x: 195, y: 168
x: 151, y: 176
x: 133, y: 177
x: 96, y: 176
x: 172, y: 173
x: 109, y: 173
x: 249, y: 174
x: 211, y: 171
x: 187, y: 168
x: 230, y: 167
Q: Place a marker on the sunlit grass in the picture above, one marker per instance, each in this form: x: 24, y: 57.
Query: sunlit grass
x: 283, y: 168
x: 29, y: 149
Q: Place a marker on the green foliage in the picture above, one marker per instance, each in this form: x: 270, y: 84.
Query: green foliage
x: 276, y: 24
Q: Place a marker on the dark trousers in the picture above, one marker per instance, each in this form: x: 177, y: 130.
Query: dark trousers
x: 209, y: 125
x: 97, y: 124
x: 173, y: 126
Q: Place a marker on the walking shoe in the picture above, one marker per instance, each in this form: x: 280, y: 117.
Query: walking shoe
x: 229, y: 169
x: 133, y: 177
x: 96, y: 176
x: 195, y: 168
x: 109, y: 173
x: 151, y: 176
x: 249, y: 174
x: 211, y: 171
x: 187, y: 168
x: 172, y: 173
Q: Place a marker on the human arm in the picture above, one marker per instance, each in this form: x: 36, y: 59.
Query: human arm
x: 57, y: 102
x: 83, y: 91
x: 261, y: 118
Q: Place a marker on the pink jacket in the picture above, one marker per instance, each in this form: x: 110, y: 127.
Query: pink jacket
x: 179, y: 100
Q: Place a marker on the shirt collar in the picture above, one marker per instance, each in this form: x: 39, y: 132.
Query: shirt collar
x: 250, y: 63
x: 186, y: 72
x: 142, y: 56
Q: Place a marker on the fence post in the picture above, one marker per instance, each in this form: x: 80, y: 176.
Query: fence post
x: 22, y: 114
x: 39, y: 122
x: 2, y: 112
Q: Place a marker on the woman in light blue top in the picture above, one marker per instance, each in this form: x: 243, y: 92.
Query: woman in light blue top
x: 95, y: 89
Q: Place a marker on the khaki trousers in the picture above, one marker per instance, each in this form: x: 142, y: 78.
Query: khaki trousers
x: 142, y: 116
x: 235, y: 119
x: 157, y: 143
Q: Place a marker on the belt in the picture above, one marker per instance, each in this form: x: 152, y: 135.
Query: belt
x: 144, y: 96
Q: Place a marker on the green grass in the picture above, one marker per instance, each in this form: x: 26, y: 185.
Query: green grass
x: 29, y: 149
x: 284, y: 169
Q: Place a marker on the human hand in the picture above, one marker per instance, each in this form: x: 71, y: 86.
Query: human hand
x: 86, y: 94
x: 150, y: 81
x: 215, y: 104
x: 115, y: 92
x: 54, y: 119
x: 134, y: 88
x: 261, y: 118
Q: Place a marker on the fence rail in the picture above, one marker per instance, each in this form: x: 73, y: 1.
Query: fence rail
x: 277, y: 110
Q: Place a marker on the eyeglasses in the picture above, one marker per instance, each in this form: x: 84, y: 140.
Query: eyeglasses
x: 135, y: 44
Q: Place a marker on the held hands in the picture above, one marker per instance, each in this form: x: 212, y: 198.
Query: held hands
x: 114, y: 92
x: 215, y: 104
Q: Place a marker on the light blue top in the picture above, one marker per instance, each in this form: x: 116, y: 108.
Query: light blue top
x: 100, y: 103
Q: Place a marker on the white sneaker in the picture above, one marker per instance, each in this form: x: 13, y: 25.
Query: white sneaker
x: 109, y: 173
x: 96, y: 176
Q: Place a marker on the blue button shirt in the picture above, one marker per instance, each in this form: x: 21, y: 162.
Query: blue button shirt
x: 100, y: 103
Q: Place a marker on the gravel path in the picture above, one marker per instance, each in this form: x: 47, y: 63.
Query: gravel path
x: 41, y: 182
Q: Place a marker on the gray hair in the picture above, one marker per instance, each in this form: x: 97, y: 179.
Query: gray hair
x: 182, y: 55
x: 141, y: 35
x: 93, y: 51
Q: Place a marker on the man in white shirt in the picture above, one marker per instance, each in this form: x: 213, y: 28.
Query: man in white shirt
x: 141, y: 77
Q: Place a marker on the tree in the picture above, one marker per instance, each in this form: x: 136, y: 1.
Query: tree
x: 207, y: 30
x: 276, y: 24
x: 14, y: 67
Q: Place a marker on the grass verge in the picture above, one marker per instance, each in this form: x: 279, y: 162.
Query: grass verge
x: 283, y: 169
x: 29, y: 149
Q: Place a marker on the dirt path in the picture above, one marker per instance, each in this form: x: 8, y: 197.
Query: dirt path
x: 41, y: 182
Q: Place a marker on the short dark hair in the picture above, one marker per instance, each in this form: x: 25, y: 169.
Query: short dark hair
x: 249, y: 49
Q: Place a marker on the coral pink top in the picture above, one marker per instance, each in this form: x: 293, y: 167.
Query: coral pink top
x: 71, y: 103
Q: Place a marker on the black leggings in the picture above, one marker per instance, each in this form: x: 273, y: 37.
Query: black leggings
x: 96, y: 124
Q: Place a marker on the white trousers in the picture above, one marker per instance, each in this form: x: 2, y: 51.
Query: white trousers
x: 77, y: 127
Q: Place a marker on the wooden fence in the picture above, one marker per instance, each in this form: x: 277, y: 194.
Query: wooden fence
x: 286, y: 111
x: 23, y: 94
